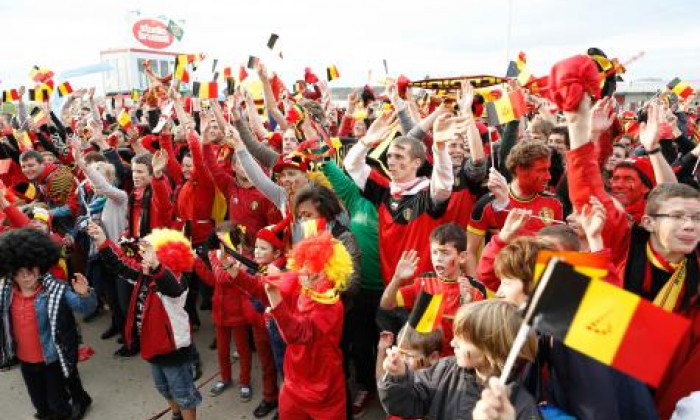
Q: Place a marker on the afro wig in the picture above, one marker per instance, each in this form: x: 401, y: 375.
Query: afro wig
x: 26, y: 248
x: 173, y: 249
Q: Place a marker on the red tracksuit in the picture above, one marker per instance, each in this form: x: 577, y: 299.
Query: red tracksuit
x: 246, y: 206
x: 232, y: 313
x: 314, y: 380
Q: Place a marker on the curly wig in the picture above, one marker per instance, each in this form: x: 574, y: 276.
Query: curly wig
x: 323, y: 253
x: 26, y: 248
x: 173, y: 249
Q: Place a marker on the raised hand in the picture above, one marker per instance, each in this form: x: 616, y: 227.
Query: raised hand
x: 498, y: 185
x: 81, y: 285
x: 602, y: 116
x: 159, y: 162
x: 466, y: 98
x: 514, y: 222
x: 379, y: 130
x: 386, y: 340
x: 393, y: 363
x: 494, y: 403
x: 447, y: 128
x: 262, y: 71
x: 592, y: 218
x: 96, y: 233
x: 149, y: 260
x: 407, y: 265
x: 649, y: 130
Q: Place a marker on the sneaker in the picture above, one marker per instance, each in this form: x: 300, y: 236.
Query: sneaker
x: 177, y: 416
x: 235, y: 356
x: 246, y: 393
x: 111, y: 332
x: 79, y: 408
x: 219, y: 388
x: 360, y: 403
x: 264, y: 408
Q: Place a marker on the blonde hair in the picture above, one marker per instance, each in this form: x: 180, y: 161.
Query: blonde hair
x: 517, y: 260
x: 491, y: 325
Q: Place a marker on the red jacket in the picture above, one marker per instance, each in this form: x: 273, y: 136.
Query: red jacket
x: 164, y: 322
x: 160, y: 209
x: 246, y: 206
x: 195, y: 198
x: 313, y: 362
x: 230, y: 307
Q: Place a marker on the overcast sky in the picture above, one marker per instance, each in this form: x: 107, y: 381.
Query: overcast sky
x: 436, y: 38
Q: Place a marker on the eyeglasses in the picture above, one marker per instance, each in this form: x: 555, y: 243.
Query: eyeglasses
x: 679, y: 217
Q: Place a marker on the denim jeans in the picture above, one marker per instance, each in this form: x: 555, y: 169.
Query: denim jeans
x: 175, y: 383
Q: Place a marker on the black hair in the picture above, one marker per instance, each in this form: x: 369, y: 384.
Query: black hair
x: 31, y: 154
x: 26, y: 248
x: 323, y: 198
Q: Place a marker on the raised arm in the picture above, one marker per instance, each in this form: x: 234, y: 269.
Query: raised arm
x: 649, y: 138
x: 446, y: 128
x: 270, y: 102
x: 354, y: 161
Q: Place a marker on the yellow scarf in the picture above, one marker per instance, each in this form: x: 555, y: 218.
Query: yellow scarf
x: 328, y: 297
x: 671, y: 291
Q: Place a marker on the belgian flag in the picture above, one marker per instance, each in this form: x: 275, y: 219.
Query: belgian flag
x: 205, y: 90
x: 64, y: 89
x: 136, y: 94
x: 39, y: 94
x: 180, y: 72
x: 40, y: 74
x: 680, y: 88
x: 518, y: 69
x: 506, y: 109
x: 427, y: 312
x: 230, y: 86
x: 332, y: 73
x: 609, y: 324
x: 10, y: 95
x: 124, y: 120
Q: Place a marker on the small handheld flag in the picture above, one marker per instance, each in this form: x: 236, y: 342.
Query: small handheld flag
x: 40, y: 74
x: 39, y: 95
x: 332, y: 73
x: 506, y: 109
x: 64, y: 89
x: 230, y: 86
x: 205, y: 90
x: 680, y: 88
x: 273, y: 45
x: 518, y: 69
x: 10, y: 95
x: 427, y: 312
x: 242, y: 74
x: 124, y: 120
x: 252, y: 62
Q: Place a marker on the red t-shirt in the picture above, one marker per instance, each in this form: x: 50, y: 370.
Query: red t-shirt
x: 485, y: 219
x: 25, y: 327
x: 406, y: 298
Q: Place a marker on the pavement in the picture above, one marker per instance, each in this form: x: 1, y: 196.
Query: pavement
x: 123, y: 388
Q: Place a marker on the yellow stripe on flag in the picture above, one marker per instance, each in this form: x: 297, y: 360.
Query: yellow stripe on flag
x: 218, y: 209
x: 427, y: 321
x: 601, y: 321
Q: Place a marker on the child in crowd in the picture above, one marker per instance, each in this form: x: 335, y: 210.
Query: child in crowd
x: 37, y: 324
x: 448, y: 245
x: 483, y: 335
x: 157, y: 317
x: 419, y: 351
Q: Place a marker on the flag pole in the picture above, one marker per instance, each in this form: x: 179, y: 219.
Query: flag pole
x: 524, y: 329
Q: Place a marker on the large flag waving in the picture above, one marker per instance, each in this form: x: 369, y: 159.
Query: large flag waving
x: 607, y: 323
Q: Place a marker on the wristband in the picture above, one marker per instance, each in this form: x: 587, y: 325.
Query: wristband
x: 654, y: 151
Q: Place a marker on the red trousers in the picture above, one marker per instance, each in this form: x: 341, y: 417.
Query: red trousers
x: 291, y: 408
x: 262, y: 345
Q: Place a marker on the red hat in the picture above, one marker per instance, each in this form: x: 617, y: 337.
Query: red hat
x: 309, y: 76
x: 294, y: 160
x: 274, y: 140
x: 643, y: 166
x: 570, y: 79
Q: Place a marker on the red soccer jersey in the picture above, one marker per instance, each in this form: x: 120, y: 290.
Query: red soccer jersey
x: 406, y: 297
x: 485, y: 219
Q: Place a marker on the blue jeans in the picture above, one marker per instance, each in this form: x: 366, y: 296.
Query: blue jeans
x: 175, y: 383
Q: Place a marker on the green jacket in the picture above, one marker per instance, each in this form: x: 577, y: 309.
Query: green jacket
x: 363, y: 224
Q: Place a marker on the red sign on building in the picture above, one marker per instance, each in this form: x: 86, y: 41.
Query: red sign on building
x: 152, y: 33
